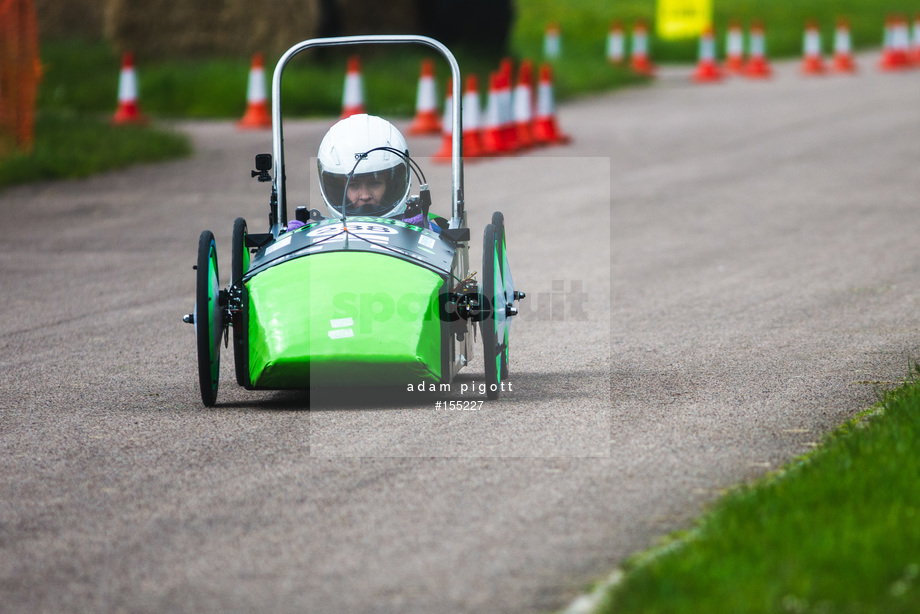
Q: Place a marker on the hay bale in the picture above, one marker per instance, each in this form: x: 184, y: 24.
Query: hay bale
x: 371, y: 17
x: 168, y: 28
x: 59, y: 19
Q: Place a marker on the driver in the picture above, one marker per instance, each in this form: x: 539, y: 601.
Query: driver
x: 380, y: 182
x: 363, y: 164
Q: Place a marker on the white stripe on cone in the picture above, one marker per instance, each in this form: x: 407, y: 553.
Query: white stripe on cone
x: 616, y: 45
x: 353, y: 95
x: 257, y: 115
x: 426, y: 116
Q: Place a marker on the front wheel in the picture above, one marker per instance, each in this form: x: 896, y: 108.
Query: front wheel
x: 209, y: 324
x: 492, y: 302
x: 239, y: 264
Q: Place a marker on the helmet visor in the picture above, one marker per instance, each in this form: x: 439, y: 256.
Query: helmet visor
x: 374, y: 194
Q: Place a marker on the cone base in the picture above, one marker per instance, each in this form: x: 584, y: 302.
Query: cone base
x: 707, y: 72
x: 758, y: 69
x: 643, y: 67
x: 546, y: 132
x: 524, y: 134
x: 844, y: 63
x: 894, y: 60
x: 493, y: 144
x: 734, y: 65
x: 813, y: 66
x: 446, y: 152
x: 128, y: 113
x: 426, y: 122
x: 256, y: 118
x: 349, y: 111
x: 472, y: 146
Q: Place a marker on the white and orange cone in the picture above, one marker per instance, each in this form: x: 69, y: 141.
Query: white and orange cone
x: 472, y: 119
x: 523, y: 106
x: 552, y: 42
x: 707, y: 69
x: 639, y: 58
x: 915, y: 41
x: 128, y: 111
x: 616, y: 43
x: 493, y: 137
x: 843, y: 49
x: 506, y: 105
x: 813, y: 59
x: 426, y: 115
x: 257, y: 115
x: 545, y: 127
x: 896, y: 54
x: 353, y: 93
x: 445, y: 153
x: 757, y: 66
x: 734, y: 49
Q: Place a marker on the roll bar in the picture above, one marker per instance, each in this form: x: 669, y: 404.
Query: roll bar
x: 278, y: 183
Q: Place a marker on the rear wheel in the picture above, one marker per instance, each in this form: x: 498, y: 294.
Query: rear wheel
x: 208, y: 319
x: 493, y: 309
x: 239, y: 264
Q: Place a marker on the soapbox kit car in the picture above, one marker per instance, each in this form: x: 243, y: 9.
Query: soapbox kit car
x: 354, y: 300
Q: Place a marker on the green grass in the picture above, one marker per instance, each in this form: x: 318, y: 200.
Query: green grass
x: 68, y: 145
x: 80, y: 81
x: 584, y: 23
x: 83, y: 76
x: 836, y: 531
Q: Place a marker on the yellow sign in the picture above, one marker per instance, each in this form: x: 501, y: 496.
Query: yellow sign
x: 682, y: 18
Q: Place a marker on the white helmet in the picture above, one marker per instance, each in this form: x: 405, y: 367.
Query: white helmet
x: 347, y: 148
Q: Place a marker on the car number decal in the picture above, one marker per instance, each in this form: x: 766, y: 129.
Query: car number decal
x: 356, y: 228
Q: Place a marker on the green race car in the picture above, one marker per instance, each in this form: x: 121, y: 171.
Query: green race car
x: 354, y: 299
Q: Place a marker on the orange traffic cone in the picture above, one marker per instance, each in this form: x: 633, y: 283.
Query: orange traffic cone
x: 545, y: 128
x: 915, y: 41
x: 896, y: 55
x: 552, y: 45
x: 843, y: 53
x: 757, y: 66
x: 128, y: 111
x: 493, y: 139
x: 616, y: 47
x: 812, y: 61
x: 734, y: 49
x: 426, y: 116
x: 353, y: 94
x: 506, y: 105
x: 445, y: 153
x: 257, y: 115
x: 472, y: 145
x: 523, y: 106
x: 640, y: 61
x: 707, y: 70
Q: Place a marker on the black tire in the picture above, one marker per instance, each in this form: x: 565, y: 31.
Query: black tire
x: 208, y: 319
x: 491, y: 356
x: 239, y: 264
x: 498, y: 222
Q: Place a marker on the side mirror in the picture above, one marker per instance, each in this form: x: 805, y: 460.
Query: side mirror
x: 263, y: 165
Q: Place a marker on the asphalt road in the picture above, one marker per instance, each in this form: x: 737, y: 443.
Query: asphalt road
x: 717, y: 275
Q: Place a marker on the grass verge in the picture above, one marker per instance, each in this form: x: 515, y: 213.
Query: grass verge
x: 584, y: 24
x: 69, y: 145
x: 838, y: 530
x: 80, y: 79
